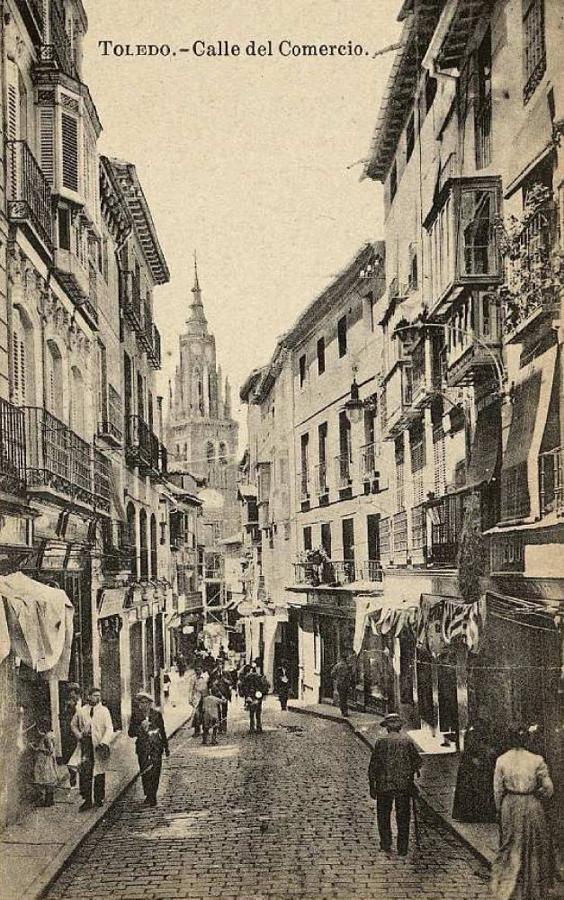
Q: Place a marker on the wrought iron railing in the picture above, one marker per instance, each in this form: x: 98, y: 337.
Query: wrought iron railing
x: 551, y: 472
x: 29, y: 194
x: 118, y: 547
x: 59, y: 50
x: 130, y: 299
x: 370, y: 570
x: 146, y: 332
x: 154, y: 351
x: 12, y: 449
x: 139, y: 445
x: 369, y: 455
x: 328, y: 573
x: 58, y: 458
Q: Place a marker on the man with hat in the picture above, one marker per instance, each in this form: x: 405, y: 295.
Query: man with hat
x: 147, y: 726
x: 92, y: 727
x: 394, y: 761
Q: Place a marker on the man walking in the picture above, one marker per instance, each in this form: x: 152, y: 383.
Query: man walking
x: 147, y: 726
x: 200, y: 690
x: 254, y: 688
x: 92, y: 726
x: 343, y: 679
x: 394, y: 761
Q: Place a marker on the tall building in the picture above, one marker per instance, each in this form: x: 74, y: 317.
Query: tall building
x: 202, y: 437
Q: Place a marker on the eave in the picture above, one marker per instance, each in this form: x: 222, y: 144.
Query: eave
x: 143, y: 224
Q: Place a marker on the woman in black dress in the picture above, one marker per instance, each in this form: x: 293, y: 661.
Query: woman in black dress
x: 473, y: 796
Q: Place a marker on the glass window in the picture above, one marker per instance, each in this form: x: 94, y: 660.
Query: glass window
x: 534, y: 46
x: 477, y: 213
x: 302, y: 365
x: 320, y: 356
x: 342, y: 336
x: 410, y: 137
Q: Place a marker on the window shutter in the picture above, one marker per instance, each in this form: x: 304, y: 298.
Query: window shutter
x: 69, y: 127
x: 46, y: 141
x: 16, y: 366
x: 13, y: 100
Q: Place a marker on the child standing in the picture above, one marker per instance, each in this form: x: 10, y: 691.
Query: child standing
x: 45, y: 773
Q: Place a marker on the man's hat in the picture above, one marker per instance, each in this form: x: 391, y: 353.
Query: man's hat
x: 141, y: 695
x: 391, y: 719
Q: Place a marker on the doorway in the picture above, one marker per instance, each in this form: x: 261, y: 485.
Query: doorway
x: 110, y: 666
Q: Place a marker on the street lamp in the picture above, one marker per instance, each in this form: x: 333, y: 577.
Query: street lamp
x: 354, y: 404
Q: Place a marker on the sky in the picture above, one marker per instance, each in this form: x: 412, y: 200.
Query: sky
x: 255, y: 162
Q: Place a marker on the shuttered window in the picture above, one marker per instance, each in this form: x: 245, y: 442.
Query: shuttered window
x: 46, y: 141
x: 69, y: 131
x: 13, y: 101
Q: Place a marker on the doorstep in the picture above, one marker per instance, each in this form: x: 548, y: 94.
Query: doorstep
x: 34, y: 849
x: 436, y: 783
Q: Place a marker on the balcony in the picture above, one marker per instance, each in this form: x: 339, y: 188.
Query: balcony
x: 154, y: 351
x: 343, y: 471
x: 532, y: 285
x: 60, y: 462
x: 58, y: 53
x: 111, y: 426
x: 145, y: 333
x: 446, y: 518
x: 370, y: 570
x: 462, y: 238
x: 426, y: 373
x: 29, y: 194
x: 396, y: 406
x: 79, y: 282
x: 119, y: 551
x: 551, y: 472
x: 130, y: 300
x: 473, y: 339
x: 213, y: 567
x: 139, y: 449
x: 329, y: 573
x: 321, y: 480
x: 12, y: 449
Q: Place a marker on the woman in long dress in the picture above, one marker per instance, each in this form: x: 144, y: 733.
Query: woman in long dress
x: 473, y: 796
x: 521, y: 869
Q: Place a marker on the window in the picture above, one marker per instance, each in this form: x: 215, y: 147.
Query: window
x: 393, y: 181
x: 304, y: 456
x: 326, y: 537
x: 144, y: 548
x: 54, y: 380
x: 64, y: 223
x: 483, y: 103
x: 154, y: 570
x: 69, y: 134
x: 302, y: 364
x: 210, y: 453
x: 348, y: 539
x: 430, y: 92
x: 320, y: 356
x: 478, y: 209
x: 23, y: 370
x: 342, y: 336
x: 534, y: 47
x: 308, y: 544
x: 222, y: 453
x: 77, y: 416
x: 410, y: 137
x: 413, y: 277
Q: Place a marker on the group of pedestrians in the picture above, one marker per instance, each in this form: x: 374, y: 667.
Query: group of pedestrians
x: 520, y: 786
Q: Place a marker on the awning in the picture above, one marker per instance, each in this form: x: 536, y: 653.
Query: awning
x: 40, y: 624
x: 486, y: 446
x: 519, y: 474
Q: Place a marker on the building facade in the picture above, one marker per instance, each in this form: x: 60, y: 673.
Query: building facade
x: 471, y: 397
x: 85, y: 502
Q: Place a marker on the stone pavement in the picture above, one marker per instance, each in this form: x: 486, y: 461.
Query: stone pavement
x: 436, y: 784
x: 33, y: 849
x: 285, y: 814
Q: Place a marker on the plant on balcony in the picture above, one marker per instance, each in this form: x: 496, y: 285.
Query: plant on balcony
x: 534, y: 265
x: 473, y: 551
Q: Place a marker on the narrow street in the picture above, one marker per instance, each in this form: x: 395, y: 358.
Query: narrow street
x: 284, y: 814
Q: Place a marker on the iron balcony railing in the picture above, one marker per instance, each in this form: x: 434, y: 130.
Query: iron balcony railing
x: 29, y: 194
x: 370, y: 570
x: 111, y: 426
x: 328, y: 573
x: 145, y: 333
x: 154, y: 351
x: 59, y: 459
x: 321, y: 480
x: 139, y: 446
x: 118, y: 547
x: 130, y: 299
x: 551, y: 472
x: 12, y: 449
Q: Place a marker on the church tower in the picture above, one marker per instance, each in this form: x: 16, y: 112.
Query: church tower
x: 201, y: 433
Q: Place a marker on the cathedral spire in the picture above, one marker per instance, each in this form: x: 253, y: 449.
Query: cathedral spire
x: 197, y: 320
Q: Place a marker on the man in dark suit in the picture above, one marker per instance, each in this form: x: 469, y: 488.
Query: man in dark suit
x: 394, y: 761
x: 254, y: 688
x: 147, y: 726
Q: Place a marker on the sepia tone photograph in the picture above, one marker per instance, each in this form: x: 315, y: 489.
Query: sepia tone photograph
x: 281, y: 449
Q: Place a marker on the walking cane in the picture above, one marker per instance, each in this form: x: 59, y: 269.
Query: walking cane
x: 415, y: 817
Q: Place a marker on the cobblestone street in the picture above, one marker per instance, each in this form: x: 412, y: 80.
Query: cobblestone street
x: 283, y: 814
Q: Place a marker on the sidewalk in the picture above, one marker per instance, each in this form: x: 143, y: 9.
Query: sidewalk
x: 33, y: 850
x: 436, y: 783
